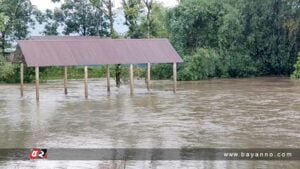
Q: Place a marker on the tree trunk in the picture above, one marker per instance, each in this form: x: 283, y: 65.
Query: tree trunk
x: 3, y: 44
x: 109, y: 6
x: 148, y: 4
x: 148, y: 23
x: 111, y: 18
x: 118, y: 75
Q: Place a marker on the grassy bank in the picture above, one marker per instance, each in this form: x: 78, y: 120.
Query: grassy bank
x: 10, y: 73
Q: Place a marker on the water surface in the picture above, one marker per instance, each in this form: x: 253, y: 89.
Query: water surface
x: 223, y: 113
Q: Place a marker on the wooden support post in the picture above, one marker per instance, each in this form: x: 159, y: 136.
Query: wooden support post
x: 175, y: 77
x: 22, y: 79
x: 37, y: 82
x: 108, y: 78
x: 65, y: 80
x: 131, y: 78
x: 148, y: 76
x: 86, y: 82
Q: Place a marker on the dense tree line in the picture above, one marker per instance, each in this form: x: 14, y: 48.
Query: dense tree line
x: 236, y: 38
x: 227, y: 38
x: 15, y: 21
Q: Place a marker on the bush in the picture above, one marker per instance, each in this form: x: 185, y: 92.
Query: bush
x: 7, y: 72
x: 240, y: 65
x: 209, y: 63
x: 296, y: 73
x: 74, y: 72
x: 10, y: 73
x: 203, y: 64
x: 161, y: 71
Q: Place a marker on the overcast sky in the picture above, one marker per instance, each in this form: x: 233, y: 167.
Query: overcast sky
x: 47, y: 4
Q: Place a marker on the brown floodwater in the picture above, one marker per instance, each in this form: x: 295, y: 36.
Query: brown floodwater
x: 221, y: 113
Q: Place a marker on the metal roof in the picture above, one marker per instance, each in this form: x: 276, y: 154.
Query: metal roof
x: 65, y: 38
x: 66, y: 51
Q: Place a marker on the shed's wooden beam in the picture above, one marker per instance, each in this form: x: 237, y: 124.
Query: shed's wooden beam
x: 108, y: 78
x: 22, y: 79
x: 66, y: 80
x: 148, y: 76
x: 37, y: 82
x: 86, y: 82
x: 131, y: 78
x: 174, y: 77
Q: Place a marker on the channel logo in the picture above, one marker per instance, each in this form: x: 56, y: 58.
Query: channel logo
x: 38, y: 153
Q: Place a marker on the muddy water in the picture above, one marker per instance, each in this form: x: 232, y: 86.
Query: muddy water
x: 230, y: 113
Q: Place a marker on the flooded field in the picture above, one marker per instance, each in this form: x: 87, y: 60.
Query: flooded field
x: 225, y: 113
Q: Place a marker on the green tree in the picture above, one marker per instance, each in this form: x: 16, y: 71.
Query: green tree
x: 296, y: 73
x: 234, y: 55
x: 20, y: 17
x: 267, y: 34
x: 3, y: 20
x: 250, y: 37
x: 78, y: 18
x: 109, y: 8
x: 16, y: 18
x: 155, y: 25
x: 148, y: 4
x: 194, y: 24
x: 52, y: 20
x: 203, y: 64
x: 132, y: 11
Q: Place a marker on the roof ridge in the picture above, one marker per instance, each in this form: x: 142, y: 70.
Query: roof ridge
x: 87, y: 40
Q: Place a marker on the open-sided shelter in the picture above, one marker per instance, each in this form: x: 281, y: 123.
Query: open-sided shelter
x: 86, y: 51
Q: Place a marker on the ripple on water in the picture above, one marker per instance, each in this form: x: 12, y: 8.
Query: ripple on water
x: 238, y: 113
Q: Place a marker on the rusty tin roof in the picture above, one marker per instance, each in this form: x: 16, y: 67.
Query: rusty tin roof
x: 67, y: 51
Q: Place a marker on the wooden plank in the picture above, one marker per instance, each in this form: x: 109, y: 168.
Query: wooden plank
x: 108, y: 78
x: 86, y: 82
x: 66, y: 80
x: 131, y: 78
x: 37, y: 82
x: 174, y: 77
x: 22, y: 79
x: 148, y: 76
